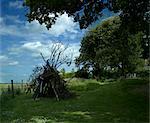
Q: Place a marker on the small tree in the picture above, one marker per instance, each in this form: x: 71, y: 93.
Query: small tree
x: 82, y: 73
x: 47, y: 80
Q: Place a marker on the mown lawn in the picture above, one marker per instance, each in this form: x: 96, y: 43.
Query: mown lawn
x: 95, y: 102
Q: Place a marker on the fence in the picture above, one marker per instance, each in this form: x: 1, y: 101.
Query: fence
x: 12, y: 88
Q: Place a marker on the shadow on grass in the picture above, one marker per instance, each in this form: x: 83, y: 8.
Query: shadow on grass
x: 70, y: 117
x: 95, y: 103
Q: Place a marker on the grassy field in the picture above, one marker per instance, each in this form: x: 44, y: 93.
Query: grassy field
x: 115, y: 102
x: 5, y: 86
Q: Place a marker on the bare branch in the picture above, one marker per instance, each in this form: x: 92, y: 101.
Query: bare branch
x: 43, y: 57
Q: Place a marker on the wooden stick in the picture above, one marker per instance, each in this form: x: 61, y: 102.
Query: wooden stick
x: 57, y: 97
x: 12, y: 88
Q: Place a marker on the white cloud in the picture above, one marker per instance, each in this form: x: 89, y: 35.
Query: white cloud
x: 74, y: 48
x: 6, y: 61
x: 9, y: 30
x: 16, y: 4
x: 63, y: 26
x: 3, y: 58
x: 11, y: 17
x: 31, y: 48
x: 35, y: 48
x: 14, y: 19
x: 32, y: 45
x: 13, y: 63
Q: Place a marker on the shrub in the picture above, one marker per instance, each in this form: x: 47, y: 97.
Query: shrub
x: 143, y: 74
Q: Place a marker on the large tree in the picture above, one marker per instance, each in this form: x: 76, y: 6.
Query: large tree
x: 109, y: 46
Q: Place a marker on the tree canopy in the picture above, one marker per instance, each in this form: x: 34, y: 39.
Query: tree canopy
x: 110, y: 47
x: 87, y: 11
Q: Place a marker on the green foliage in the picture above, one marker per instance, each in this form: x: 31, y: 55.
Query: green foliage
x: 17, y: 91
x: 40, y: 10
x: 5, y: 95
x: 143, y: 74
x: 110, y: 47
x: 132, y: 12
x: 131, y: 52
x: 82, y: 73
x: 130, y: 84
x: 9, y: 89
x: 69, y: 75
x: 62, y: 72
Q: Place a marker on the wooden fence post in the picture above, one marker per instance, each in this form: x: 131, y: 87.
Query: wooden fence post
x: 22, y: 85
x: 12, y: 88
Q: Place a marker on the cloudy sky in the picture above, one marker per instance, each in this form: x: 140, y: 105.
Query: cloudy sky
x: 21, y: 42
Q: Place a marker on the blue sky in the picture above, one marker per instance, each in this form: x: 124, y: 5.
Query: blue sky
x: 21, y: 42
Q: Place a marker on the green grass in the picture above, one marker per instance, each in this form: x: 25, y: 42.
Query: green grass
x: 4, y: 86
x: 95, y: 103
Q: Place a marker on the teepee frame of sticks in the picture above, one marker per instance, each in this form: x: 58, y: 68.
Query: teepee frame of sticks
x: 46, y: 79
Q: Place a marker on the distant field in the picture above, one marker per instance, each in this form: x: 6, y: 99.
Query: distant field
x: 96, y: 102
x: 4, y: 86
